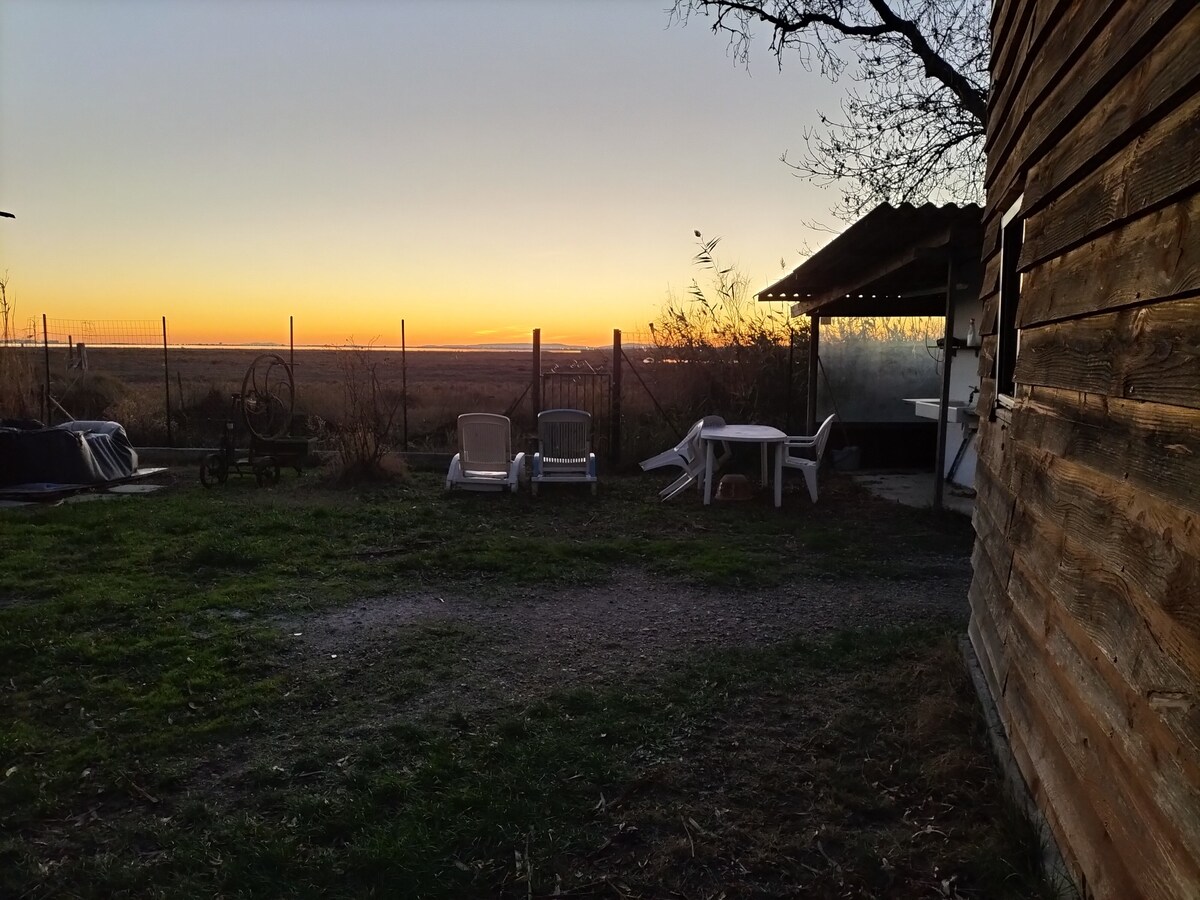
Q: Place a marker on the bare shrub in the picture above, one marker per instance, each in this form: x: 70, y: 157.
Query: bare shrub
x: 729, y: 352
x: 364, y: 431
x: 89, y: 395
x: 18, y: 386
x: 141, y: 412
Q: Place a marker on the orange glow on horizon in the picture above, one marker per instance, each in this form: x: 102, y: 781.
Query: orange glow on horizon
x: 192, y: 319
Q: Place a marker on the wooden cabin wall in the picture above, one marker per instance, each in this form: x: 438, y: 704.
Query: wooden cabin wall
x: 1086, y: 592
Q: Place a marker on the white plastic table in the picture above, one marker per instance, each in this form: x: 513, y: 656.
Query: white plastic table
x: 763, y: 435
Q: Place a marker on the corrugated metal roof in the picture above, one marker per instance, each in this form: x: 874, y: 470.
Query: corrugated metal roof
x: 895, y: 256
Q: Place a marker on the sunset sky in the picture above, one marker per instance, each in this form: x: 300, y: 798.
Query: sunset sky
x: 476, y: 168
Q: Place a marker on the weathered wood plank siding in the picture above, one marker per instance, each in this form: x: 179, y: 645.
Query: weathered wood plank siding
x: 1086, y: 594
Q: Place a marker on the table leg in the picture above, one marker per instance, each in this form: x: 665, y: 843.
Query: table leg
x: 708, y: 472
x: 779, y: 450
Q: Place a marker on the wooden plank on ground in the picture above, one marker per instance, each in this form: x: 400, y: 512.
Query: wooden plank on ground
x: 1156, y: 256
x: 1153, y: 168
x: 1148, y: 353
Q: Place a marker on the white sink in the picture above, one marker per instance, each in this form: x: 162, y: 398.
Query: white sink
x: 927, y: 408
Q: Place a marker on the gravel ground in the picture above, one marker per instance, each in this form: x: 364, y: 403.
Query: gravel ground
x: 539, y: 638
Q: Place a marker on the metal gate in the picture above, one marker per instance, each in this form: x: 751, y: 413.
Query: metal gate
x: 582, y: 388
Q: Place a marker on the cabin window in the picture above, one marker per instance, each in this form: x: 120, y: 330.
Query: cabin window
x: 1008, y: 336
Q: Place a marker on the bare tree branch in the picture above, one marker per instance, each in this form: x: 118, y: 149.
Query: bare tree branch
x: 973, y: 99
x: 912, y: 128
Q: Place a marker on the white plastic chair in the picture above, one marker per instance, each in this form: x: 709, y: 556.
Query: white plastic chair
x: 484, y: 461
x: 688, y: 454
x: 564, y: 451
x: 804, y: 452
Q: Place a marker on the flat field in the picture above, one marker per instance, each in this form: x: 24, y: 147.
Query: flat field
x: 204, y: 365
x: 128, y: 385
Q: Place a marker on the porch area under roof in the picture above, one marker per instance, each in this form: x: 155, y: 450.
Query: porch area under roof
x: 895, y: 261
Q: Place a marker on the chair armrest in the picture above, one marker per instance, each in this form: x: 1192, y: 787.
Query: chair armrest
x: 796, y: 451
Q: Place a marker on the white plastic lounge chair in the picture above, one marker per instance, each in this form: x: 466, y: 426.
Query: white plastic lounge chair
x: 564, y: 451
x: 804, y: 453
x: 688, y: 454
x: 484, y: 461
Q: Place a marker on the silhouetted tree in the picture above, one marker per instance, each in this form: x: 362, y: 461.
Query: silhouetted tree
x: 912, y: 128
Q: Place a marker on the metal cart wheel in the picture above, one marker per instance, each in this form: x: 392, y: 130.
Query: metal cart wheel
x: 268, y: 397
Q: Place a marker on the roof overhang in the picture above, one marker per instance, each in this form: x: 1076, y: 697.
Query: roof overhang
x: 894, y: 261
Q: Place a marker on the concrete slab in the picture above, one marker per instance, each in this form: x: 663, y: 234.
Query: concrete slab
x: 136, y: 488
x: 915, y: 489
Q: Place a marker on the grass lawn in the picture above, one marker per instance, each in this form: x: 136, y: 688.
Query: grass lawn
x: 166, y: 731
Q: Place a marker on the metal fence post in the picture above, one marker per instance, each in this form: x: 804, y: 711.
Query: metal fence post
x: 614, y: 447
x: 404, y: 382
x: 536, y: 387
x: 167, y: 385
x: 46, y: 359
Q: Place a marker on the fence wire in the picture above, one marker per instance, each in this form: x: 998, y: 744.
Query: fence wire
x: 98, y: 332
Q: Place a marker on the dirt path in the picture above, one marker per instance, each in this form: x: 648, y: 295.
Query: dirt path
x: 534, y: 639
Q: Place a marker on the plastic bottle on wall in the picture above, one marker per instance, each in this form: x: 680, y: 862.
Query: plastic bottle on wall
x: 972, y: 335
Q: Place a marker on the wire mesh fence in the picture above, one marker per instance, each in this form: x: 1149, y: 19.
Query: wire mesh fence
x: 181, y: 394
x: 98, y: 332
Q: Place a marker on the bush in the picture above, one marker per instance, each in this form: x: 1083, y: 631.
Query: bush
x: 732, y: 351
x: 364, y: 432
